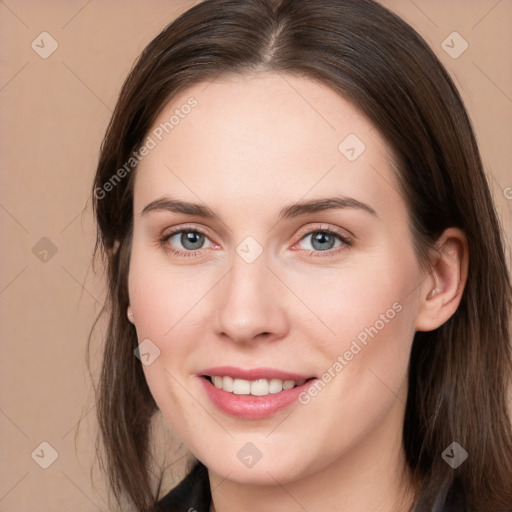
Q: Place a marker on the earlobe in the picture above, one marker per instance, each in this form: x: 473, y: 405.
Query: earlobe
x: 442, y: 290
x: 129, y: 314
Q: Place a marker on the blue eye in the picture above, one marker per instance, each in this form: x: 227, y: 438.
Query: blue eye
x: 192, y: 242
x: 325, y: 240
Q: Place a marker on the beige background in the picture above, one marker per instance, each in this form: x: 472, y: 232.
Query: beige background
x: 54, y: 114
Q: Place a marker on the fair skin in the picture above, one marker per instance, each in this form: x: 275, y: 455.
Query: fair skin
x: 252, y: 146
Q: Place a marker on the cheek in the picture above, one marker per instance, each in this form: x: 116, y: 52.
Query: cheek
x: 368, y: 299
x: 157, y: 298
x: 372, y: 311
x: 167, y: 308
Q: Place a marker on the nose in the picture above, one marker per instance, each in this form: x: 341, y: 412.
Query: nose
x: 250, y: 303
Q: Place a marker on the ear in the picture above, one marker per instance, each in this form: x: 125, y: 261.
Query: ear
x: 441, y: 291
x: 129, y: 314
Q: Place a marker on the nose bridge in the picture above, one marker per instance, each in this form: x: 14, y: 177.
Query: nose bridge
x: 249, y: 302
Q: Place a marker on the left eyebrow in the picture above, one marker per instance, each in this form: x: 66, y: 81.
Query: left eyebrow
x: 318, y: 205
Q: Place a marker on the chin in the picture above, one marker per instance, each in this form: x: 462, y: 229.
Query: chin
x: 276, y: 468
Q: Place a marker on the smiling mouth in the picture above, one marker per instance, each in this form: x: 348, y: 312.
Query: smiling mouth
x: 259, y: 387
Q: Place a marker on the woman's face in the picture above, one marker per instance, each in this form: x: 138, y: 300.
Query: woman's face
x: 264, y: 283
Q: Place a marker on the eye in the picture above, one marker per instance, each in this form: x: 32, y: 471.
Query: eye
x: 322, y: 240
x: 192, y: 240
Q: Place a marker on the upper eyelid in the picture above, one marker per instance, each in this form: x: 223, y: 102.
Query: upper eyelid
x: 324, y: 227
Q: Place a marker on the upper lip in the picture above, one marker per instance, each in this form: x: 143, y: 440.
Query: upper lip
x: 252, y: 373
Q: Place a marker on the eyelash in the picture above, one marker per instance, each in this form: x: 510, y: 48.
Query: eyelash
x: 346, y: 241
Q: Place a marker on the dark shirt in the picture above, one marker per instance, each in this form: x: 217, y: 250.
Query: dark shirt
x: 193, y: 495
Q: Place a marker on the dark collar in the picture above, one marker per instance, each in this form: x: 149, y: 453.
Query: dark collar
x: 191, y: 495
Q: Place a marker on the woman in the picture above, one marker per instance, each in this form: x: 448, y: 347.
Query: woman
x: 368, y: 374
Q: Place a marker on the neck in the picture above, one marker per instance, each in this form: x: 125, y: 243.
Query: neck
x: 370, y: 476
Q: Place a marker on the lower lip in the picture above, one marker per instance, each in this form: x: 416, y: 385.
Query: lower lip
x: 250, y: 406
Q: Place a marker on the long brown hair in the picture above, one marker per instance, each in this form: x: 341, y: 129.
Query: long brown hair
x: 459, y: 374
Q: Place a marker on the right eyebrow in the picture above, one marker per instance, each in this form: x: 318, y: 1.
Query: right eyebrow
x: 176, y: 206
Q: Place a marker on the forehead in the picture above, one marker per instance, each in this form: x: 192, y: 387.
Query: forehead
x: 263, y: 136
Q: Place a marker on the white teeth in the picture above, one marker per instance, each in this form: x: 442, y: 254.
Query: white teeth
x: 227, y: 384
x: 275, y: 386
x: 260, y: 387
x: 241, y: 387
x: 288, y: 384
